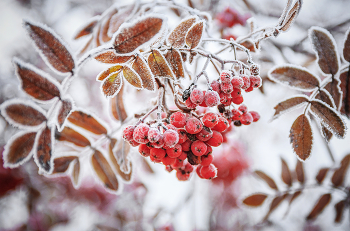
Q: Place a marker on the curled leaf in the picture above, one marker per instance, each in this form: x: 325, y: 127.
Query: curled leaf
x: 301, y: 137
x: 112, y: 85
x: 117, y: 106
x: 72, y: 136
x: 61, y: 164
x: 65, y: 109
x: 194, y: 34
x: 158, y: 65
x: 174, y: 59
x: 291, y: 16
x: 319, y: 206
x: 255, y: 200
x: 321, y: 175
x: 339, y: 210
x: 87, y: 28
x: 286, y: 175
x: 345, y: 88
x: 289, y: 104
x: 44, y: 150
x: 88, y: 122
x: 52, y: 48
x: 334, y: 90
x: 177, y: 36
x: 112, y: 57
x: 267, y: 179
x: 325, y: 97
x: 326, y: 50
x: 340, y: 173
x: 296, y: 77
x: 142, y: 69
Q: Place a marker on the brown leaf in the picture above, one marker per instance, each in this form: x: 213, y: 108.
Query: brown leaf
x: 104, y: 74
x: 249, y: 44
x: 184, y: 56
x: 267, y: 179
x: 340, y: 173
x: 174, y: 59
x: 117, y: 106
x: 136, y: 35
x: 286, y: 175
x: 44, y: 150
x: 321, y: 175
x: 22, y: 114
x: 142, y: 69
x: 293, y: 197
x: 88, y: 28
x: 295, y: 77
x: 301, y: 137
x: 194, y: 35
x: 51, y: 47
x: 339, y: 209
x: 18, y: 149
x: 289, y: 104
x: 105, y: 23
x: 132, y: 77
x: 112, y: 57
x: 319, y: 206
x: 325, y: 97
x: 72, y: 136
x: 119, y: 18
x: 274, y: 204
x: 325, y: 47
x: 326, y: 134
x: 346, y: 49
x: 86, y: 121
x: 328, y: 117
x: 104, y: 171
x: 65, y: 108
x: 255, y: 200
x: 61, y: 164
x: 35, y: 82
x: 112, y: 85
x: 291, y: 16
x: 345, y: 88
x: 121, y: 151
x: 125, y: 176
x: 177, y: 36
x: 76, y: 172
x: 158, y: 65
x: 299, y: 170
x: 334, y: 90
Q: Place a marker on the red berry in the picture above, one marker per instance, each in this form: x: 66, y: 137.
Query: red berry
x: 205, y: 134
x: 157, y: 154
x: 175, y: 151
x: 255, y: 81
x: 186, y: 146
x: 237, y: 100
x: 168, y: 160
x: 183, y: 156
x: 177, y: 164
x: 225, y: 99
x: 193, y: 126
x: 140, y: 134
x: 182, y: 176
x: 171, y: 127
x: 209, y: 150
x: 144, y: 150
x: 236, y: 92
x: 159, y: 143
x: 243, y: 108
x: 249, y: 89
x: 189, y: 104
x: 222, y: 124
x: 206, y: 160
x: 182, y: 135
x: 255, y: 115
x: 246, y: 81
x: 225, y: 77
x: 134, y: 143
x: 237, y: 82
x: 208, y: 172
x: 154, y: 135
x: 203, y: 104
x: 236, y: 114
x: 178, y: 119
x: 215, y: 140
x: 188, y: 168
x: 215, y: 85
x: 210, y: 119
x: 197, y: 96
x: 170, y: 138
x: 198, y: 148
x: 226, y: 88
x: 128, y: 132
x: 198, y: 171
x: 246, y: 118
x: 211, y: 98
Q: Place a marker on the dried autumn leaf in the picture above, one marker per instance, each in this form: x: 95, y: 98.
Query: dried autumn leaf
x: 345, y: 88
x: 61, y: 164
x: 104, y: 171
x: 194, y: 35
x: 325, y: 97
x: 291, y: 16
x: 35, y: 82
x: 295, y: 77
x: 117, y: 106
x: 177, y: 36
x: 133, y: 36
x: 301, y: 137
x: 88, y: 122
x: 70, y: 135
x: 112, y: 57
x: 339, y: 174
x: 255, y: 200
x: 326, y: 50
x: 326, y: 134
x: 112, y: 85
x: 65, y: 108
x: 22, y: 114
x: 132, y: 77
x: 174, y: 59
x: 18, y: 149
x: 125, y: 176
x: 87, y: 28
x: 274, y: 204
x: 76, y: 172
x: 334, y: 90
x: 346, y: 49
x: 289, y: 104
x: 249, y: 44
x: 286, y: 175
x: 112, y: 70
x: 319, y: 206
x: 267, y: 179
x: 120, y: 17
x: 339, y: 209
x: 52, y: 48
x: 44, y: 150
x: 299, y: 170
x: 328, y: 117
x: 142, y: 69
x: 158, y: 65
x: 321, y: 175
x: 121, y: 151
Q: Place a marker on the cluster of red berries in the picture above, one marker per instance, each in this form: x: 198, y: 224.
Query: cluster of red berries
x: 230, y: 17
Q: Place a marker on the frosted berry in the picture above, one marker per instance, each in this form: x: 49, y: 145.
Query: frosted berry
x: 222, y: 124
x: 237, y: 100
x: 236, y: 92
x: 243, y: 108
x: 215, y: 85
x: 182, y: 135
x: 225, y: 99
x: 208, y: 172
x: 159, y: 143
x: 225, y: 77
x: 255, y: 81
x: 249, y: 89
x: 140, y: 134
x: 205, y: 134
x: 189, y: 104
x: 198, y: 148
x: 134, y: 143
x: 198, y: 171
x: 178, y: 119
x: 157, y: 154
x: 154, y: 135
x: 215, y: 140
x: 186, y: 146
x: 183, y: 156
x: 174, y: 152
x: 209, y: 150
x: 181, y: 176
x: 144, y: 150
x: 177, y: 164
x: 128, y: 132
x: 211, y: 98
x: 203, y: 104
x: 168, y: 160
x: 226, y: 88
x: 255, y: 116
x: 206, y: 160
x: 210, y: 119
x: 170, y: 138
x: 197, y: 96
x: 171, y: 127
x: 188, y: 168
x: 193, y: 125
x: 236, y: 114
x: 237, y: 82
x: 246, y: 118
x: 246, y: 82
